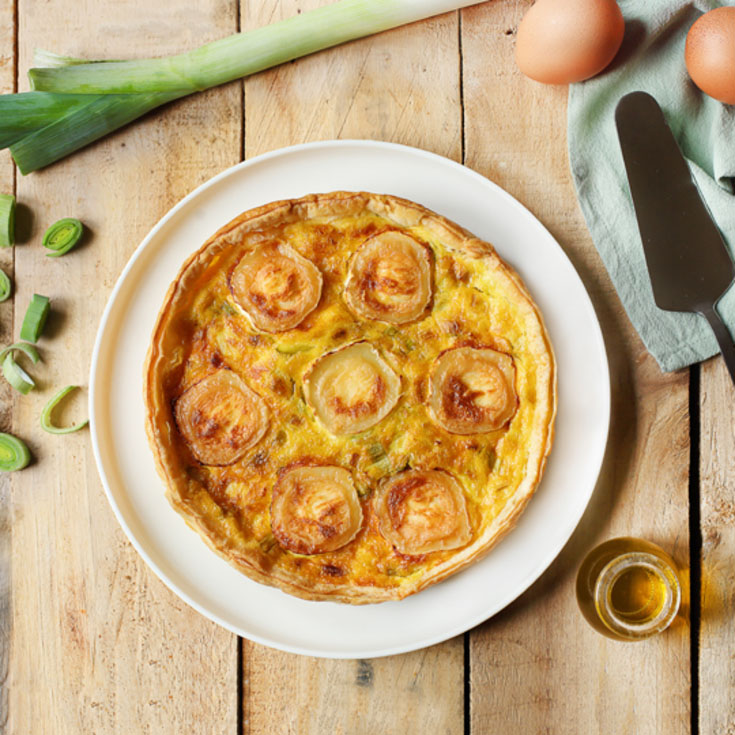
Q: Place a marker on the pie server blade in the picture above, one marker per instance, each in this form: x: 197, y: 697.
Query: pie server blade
x: 688, y: 262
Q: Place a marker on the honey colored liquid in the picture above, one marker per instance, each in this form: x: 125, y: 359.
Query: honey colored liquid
x: 627, y: 589
x: 638, y: 594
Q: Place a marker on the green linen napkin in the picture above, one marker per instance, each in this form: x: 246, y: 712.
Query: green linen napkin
x: 652, y: 59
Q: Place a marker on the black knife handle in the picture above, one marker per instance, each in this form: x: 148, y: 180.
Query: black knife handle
x: 722, y: 333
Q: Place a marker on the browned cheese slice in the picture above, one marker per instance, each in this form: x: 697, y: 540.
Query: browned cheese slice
x: 276, y: 287
x: 221, y: 418
x: 421, y: 511
x: 351, y: 389
x: 315, y: 509
x: 472, y: 391
x: 389, y: 279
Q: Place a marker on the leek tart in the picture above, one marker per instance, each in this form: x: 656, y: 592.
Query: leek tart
x: 348, y: 396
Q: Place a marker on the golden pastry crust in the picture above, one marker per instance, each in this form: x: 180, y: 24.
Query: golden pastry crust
x: 477, y: 301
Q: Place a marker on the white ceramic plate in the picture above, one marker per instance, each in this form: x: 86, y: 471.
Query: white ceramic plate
x: 263, y: 614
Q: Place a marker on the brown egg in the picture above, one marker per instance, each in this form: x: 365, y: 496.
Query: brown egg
x: 710, y: 54
x: 563, y: 41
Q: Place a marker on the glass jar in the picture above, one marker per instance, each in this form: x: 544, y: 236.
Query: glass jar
x: 628, y: 589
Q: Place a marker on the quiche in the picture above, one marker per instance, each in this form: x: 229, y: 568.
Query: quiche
x: 348, y: 396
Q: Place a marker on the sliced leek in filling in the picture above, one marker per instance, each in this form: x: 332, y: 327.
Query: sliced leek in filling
x: 276, y: 287
x: 472, y: 391
x: 389, y: 279
x: 315, y: 509
x: 221, y: 418
x: 420, y: 511
x: 351, y: 389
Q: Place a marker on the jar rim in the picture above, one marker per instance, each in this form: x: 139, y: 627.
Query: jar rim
x: 613, y: 571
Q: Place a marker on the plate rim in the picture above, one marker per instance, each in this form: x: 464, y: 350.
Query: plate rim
x: 466, y: 624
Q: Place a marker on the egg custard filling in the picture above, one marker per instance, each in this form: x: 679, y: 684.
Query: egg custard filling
x: 348, y: 396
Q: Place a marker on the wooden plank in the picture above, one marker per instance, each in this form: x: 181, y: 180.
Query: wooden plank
x: 389, y: 88
x: 717, y: 476
x: 7, y: 186
x: 401, y: 86
x: 419, y: 692
x: 538, y: 667
x: 99, y: 645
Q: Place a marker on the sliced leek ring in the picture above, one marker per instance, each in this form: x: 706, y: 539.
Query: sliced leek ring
x: 16, y: 376
x: 276, y: 287
x: 351, y: 389
x: 14, y: 454
x: 420, y: 511
x: 472, y: 390
x: 6, y: 286
x: 315, y: 509
x: 35, y: 318
x: 47, y: 423
x: 7, y: 220
x: 221, y: 418
x: 389, y: 279
x: 62, y: 236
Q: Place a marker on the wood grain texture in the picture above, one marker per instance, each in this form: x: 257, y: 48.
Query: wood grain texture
x: 7, y: 186
x: 98, y: 644
x: 717, y: 632
x: 537, y: 667
x: 91, y: 641
x: 419, y: 692
x: 402, y: 86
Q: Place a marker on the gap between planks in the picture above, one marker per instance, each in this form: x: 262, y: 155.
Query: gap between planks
x: 695, y: 541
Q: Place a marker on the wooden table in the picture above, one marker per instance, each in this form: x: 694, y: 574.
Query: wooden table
x: 92, y: 642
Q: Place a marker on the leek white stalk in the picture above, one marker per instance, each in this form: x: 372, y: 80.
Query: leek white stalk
x: 242, y: 54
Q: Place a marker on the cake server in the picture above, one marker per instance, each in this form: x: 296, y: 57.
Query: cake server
x: 688, y: 262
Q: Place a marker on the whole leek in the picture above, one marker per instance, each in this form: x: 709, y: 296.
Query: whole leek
x: 75, y: 102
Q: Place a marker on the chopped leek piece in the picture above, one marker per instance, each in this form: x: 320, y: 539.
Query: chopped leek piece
x: 6, y: 287
x: 294, y: 348
x: 14, y: 454
x: 62, y: 236
x: 491, y: 458
x: 29, y: 350
x: 47, y: 423
x: 380, y: 460
x: 35, y: 318
x: 267, y: 543
x: 7, y: 220
x: 16, y: 376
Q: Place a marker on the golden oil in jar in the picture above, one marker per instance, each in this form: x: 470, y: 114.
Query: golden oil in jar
x: 628, y: 589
